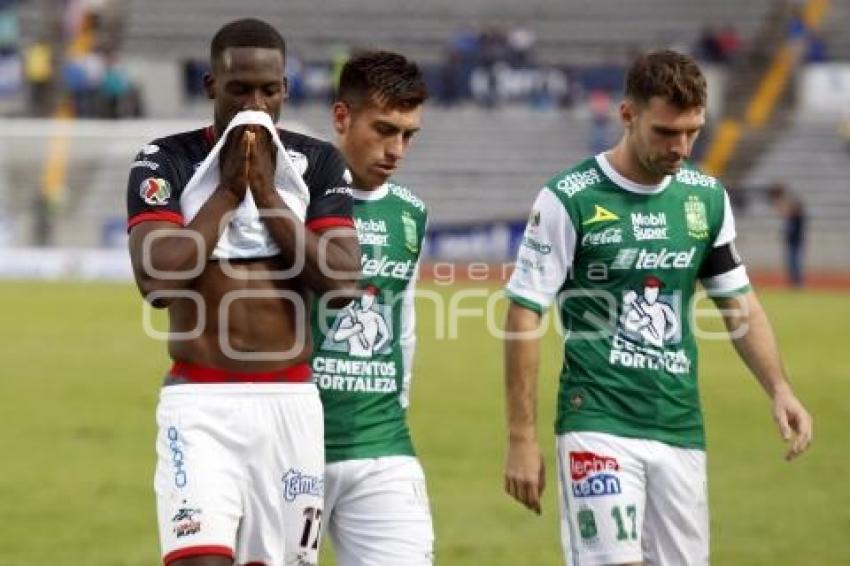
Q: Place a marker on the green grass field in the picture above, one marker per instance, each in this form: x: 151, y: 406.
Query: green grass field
x: 79, y: 385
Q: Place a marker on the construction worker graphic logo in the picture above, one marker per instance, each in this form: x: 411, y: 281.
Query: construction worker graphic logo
x: 362, y: 330
x: 651, y: 317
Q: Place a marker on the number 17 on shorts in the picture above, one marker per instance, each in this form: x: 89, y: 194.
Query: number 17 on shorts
x: 602, y: 502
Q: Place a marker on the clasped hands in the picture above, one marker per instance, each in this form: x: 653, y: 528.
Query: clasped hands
x: 248, y: 159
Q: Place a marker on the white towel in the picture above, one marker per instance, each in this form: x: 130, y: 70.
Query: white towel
x: 246, y: 235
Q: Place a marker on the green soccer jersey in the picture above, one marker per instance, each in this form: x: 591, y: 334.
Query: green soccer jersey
x: 363, y: 352
x: 623, y: 261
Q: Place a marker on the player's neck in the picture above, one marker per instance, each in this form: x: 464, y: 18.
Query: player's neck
x: 361, y: 185
x: 625, y: 162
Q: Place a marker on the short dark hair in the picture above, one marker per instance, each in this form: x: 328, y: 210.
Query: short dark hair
x: 248, y: 32
x: 674, y: 76
x: 383, y: 77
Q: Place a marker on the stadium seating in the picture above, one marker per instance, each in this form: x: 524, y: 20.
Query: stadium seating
x: 469, y: 164
x: 579, y: 32
x: 811, y: 160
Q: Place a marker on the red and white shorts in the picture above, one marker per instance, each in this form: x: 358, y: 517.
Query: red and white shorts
x: 240, y: 472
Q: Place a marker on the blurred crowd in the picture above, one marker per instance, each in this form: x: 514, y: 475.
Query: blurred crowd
x: 75, y: 63
x: 72, y: 67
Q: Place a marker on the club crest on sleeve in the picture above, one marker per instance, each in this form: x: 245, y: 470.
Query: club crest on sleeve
x: 155, y: 191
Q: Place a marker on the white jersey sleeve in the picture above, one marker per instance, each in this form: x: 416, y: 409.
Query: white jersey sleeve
x: 733, y: 276
x: 407, y: 338
x: 727, y: 229
x: 545, y: 255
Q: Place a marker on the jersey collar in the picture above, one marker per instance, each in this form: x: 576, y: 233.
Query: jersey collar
x: 375, y: 194
x: 628, y: 184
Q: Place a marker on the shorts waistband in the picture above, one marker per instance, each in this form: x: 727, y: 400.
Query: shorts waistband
x: 191, y: 373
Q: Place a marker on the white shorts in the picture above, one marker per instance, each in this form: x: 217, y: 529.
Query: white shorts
x: 631, y: 500
x: 377, y: 512
x: 240, y: 472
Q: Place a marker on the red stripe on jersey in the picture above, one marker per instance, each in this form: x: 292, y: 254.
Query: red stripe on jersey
x: 161, y: 215
x: 298, y: 373
x: 325, y: 222
x: 195, y: 551
x: 209, y: 136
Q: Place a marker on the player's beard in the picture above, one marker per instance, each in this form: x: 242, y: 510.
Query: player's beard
x: 661, y: 165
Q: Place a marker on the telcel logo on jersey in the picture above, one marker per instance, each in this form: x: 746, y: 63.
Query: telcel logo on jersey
x: 386, y: 267
x: 635, y: 258
x: 649, y: 226
x: 296, y: 483
x: 594, y: 475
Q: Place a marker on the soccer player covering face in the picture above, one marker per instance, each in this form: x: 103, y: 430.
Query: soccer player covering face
x: 620, y: 240
x: 376, y: 504
x: 240, y: 447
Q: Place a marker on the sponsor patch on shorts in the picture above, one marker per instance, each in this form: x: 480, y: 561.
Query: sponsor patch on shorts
x: 593, y: 475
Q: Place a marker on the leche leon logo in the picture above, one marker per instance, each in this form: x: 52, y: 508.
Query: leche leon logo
x: 594, y: 475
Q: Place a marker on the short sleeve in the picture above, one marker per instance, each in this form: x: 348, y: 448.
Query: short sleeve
x: 545, y: 255
x: 723, y: 271
x: 727, y: 227
x: 330, y: 192
x: 153, y: 188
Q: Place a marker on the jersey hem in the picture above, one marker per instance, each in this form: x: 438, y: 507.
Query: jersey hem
x: 731, y: 293
x: 523, y: 302
x: 604, y: 424
x: 330, y: 222
x: 343, y: 455
x: 196, y: 551
x: 162, y: 216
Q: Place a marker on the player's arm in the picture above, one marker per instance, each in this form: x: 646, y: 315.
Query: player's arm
x: 384, y: 331
x: 634, y: 320
x: 161, y: 247
x: 536, y: 279
x: 672, y: 322
x: 754, y: 341
x: 348, y: 327
x: 331, y: 254
x: 725, y: 278
x: 407, y: 335
x: 161, y: 250
x: 525, y: 472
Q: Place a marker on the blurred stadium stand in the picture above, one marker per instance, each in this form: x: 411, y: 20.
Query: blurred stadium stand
x: 470, y: 164
x: 578, y: 31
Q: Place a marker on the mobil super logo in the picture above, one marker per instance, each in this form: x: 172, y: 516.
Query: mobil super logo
x: 593, y: 475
